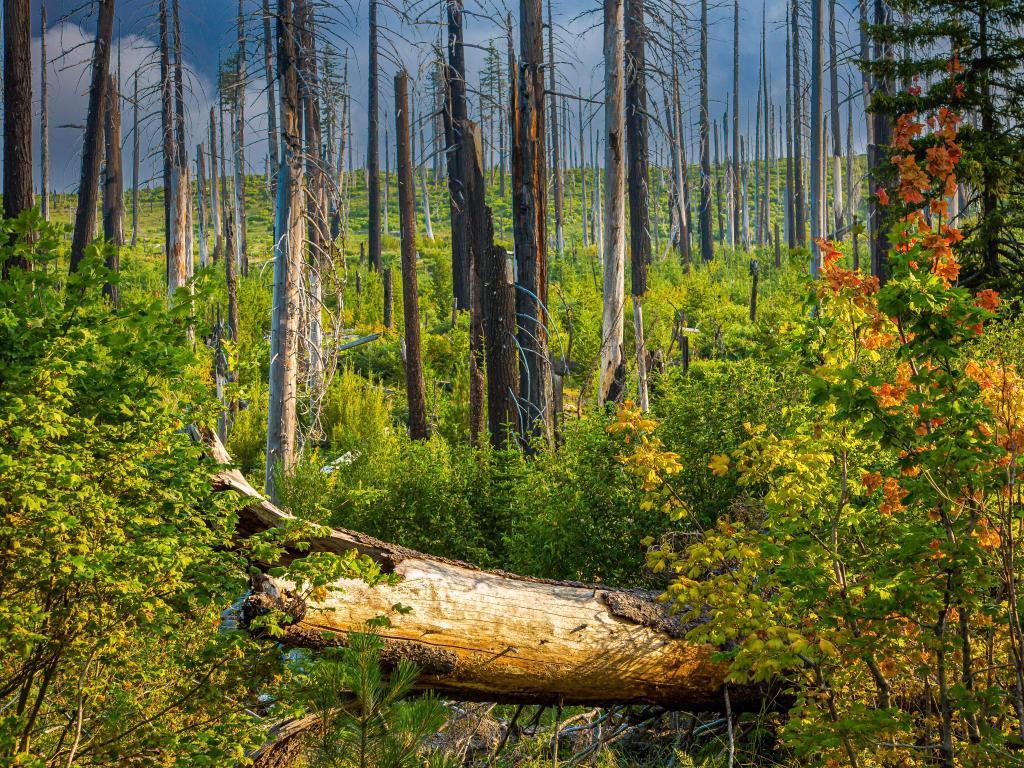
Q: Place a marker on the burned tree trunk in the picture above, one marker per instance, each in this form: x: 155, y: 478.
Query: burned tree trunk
x: 268, y: 66
x: 201, y: 200
x: 85, y: 215
x: 17, y: 176
x: 498, y: 307
x: 476, y: 216
x: 556, y: 154
x: 241, y: 239
x: 636, y: 163
x: 372, y: 150
x: 455, y: 112
x: 288, y: 250
x: 817, y: 132
x: 113, y: 186
x: 837, y: 139
x: 799, y: 210
x: 707, y: 252
x: 530, y: 222
x: 414, y: 386
x: 135, y: 159
x: 44, y: 120
x: 614, y: 225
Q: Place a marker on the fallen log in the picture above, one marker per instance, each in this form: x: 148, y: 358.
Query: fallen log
x: 494, y: 636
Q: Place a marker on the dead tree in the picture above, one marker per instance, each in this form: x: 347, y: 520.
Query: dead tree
x: 372, y: 149
x: 215, y: 192
x: 530, y: 223
x: 498, y: 309
x: 455, y: 113
x: 288, y: 249
x: 204, y: 253
x: 414, y: 385
x: 85, y: 214
x: 799, y: 211
x: 881, y: 134
x: 44, y: 119
x: 268, y: 67
x: 817, y: 130
x: 707, y: 252
x: 790, y: 147
x: 318, y: 233
x: 476, y: 216
x: 737, y: 197
x: 837, y: 140
x: 241, y: 219
x: 113, y: 186
x: 614, y: 224
x: 136, y: 157
x: 556, y: 154
x: 636, y: 169
x: 17, y: 90
x: 490, y: 636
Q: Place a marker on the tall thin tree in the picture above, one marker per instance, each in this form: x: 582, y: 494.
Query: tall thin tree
x: 85, y: 214
x: 614, y: 223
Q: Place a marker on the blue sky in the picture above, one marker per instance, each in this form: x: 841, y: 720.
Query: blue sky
x: 209, y: 30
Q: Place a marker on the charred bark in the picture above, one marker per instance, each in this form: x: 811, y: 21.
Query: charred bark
x: 414, y: 386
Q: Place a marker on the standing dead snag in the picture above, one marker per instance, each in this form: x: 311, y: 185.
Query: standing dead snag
x: 707, y: 252
x: 288, y: 250
x: 85, y: 214
x: 372, y: 150
x: 614, y: 224
x: 529, y: 219
x: 636, y: 159
x: 476, y: 220
x: 410, y: 289
x: 17, y: 174
x: 113, y: 185
x: 44, y: 120
x: 455, y: 113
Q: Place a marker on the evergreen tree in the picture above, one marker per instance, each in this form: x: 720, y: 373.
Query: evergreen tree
x: 980, y: 44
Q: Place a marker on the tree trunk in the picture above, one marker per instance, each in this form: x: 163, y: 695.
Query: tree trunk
x: 790, y: 153
x: 556, y: 156
x: 707, y: 252
x: 241, y: 219
x: 737, y: 196
x: 85, y: 215
x: 614, y: 224
x: 881, y: 133
x: 136, y: 157
x: 479, y: 238
x: 372, y: 151
x: 478, y: 635
x: 799, y: 212
x: 204, y: 253
x: 113, y: 186
x: 215, y: 192
x: 268, y: 66
x: 530, y: 222
x: 499, y: 317
x: 17, y: 90
x: 318, y: 233
x: 414, y: 386
x: 817, y: 131
x: 44, y: 119
x: 166, y: 134
x: 455, y: 113
x: 837, y: 140
x: 288, y: 250
x: 636, y: 168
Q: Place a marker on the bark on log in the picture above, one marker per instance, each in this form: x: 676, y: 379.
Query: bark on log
x: 494, y: 636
